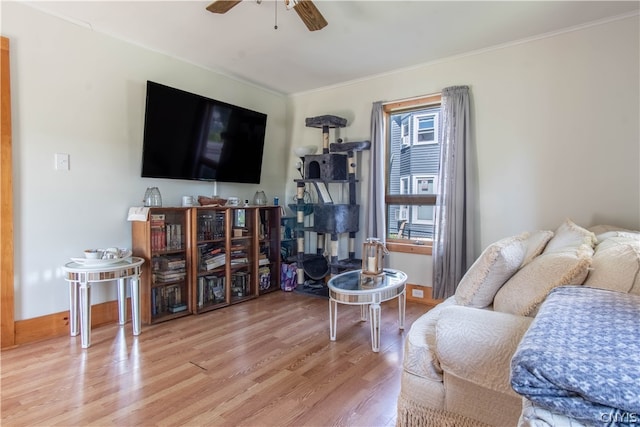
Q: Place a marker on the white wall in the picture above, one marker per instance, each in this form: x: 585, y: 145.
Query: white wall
x: 556, y: 125
x: 555, y: 119
x: 79, y: 92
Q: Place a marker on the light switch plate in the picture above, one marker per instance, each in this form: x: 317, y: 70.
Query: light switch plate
x: 62, y: 162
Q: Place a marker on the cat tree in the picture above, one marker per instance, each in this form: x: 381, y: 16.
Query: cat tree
x: 336, y: 165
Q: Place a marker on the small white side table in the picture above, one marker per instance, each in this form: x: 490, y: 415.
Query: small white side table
x: 80, y: 278
x: 346, y: 288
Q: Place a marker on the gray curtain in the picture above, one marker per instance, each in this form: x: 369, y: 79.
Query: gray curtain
x: 453, y: 245
x: 375, y: 220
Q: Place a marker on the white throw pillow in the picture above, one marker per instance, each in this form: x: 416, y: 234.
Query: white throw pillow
x: 616, y: 264
x: 570, y: 235
x: 603, y: 231
x: 523, y: 293
x: 497, y: 263
x: 536, y: 242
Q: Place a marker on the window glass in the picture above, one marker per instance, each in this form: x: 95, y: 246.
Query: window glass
x: 426, y: 127
x: 413, y: 161
x: 423, y: 214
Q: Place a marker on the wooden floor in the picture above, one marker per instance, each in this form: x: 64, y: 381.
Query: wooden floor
x: 264, y: 362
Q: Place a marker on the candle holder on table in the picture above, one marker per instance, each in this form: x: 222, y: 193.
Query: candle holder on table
x: 373, y: 252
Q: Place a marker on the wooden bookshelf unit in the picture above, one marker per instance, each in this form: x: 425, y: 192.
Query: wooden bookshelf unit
x: 203, y: 258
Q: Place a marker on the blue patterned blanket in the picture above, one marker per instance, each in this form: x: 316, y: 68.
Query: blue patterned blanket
x: 581, y: 356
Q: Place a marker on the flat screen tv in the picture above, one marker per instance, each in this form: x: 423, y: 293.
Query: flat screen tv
x: 188, y: 136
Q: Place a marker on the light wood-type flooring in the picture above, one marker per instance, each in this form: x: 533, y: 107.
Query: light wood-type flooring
x: 265, y: 362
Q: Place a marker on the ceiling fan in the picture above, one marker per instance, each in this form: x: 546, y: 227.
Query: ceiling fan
x: 306, y: 10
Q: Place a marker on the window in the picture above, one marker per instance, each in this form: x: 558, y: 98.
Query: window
x: 423, y: 185
x: 403, y: 211
x: 426, y: 128
x: 413, y: 162
x: 406, y: 140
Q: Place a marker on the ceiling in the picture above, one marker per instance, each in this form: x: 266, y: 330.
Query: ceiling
x: 363, y: 38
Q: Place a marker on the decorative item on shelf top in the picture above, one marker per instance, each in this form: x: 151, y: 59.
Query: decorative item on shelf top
x: 301, y: 152
x: 152, y: 197
x: 187, y: 201
x: 305, y: 150
x: 211, y: 201
x: 373, y: 252
x: 260, y: 199
x: 93, y: 253
x: 98, y: 257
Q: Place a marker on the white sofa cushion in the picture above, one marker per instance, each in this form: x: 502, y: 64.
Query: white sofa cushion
x: 477, y: 345
x: 604, y: 231
x: 536, y: 242
x: 570, y: 235
x: 616, y: 263
x: 497, y: 263
x: 523, y: 293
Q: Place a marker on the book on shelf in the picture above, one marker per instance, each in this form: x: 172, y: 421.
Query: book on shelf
x: 176, y: 308
x: 241, y: 283
x: 171, y: 263
x: 157, y: 220
x: 210, y: 290
x: 210, y: 249
x: 164, y: 297
x: 174, y: 236
x: 168, y: 275
x: 158, y: 237
x: 205, y: 252
x: 214, y: 262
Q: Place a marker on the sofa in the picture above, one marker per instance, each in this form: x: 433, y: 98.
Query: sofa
x: 457, y: 357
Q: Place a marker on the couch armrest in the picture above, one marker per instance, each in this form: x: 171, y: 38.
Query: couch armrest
x: 419, y: 346
x: 477, y: 344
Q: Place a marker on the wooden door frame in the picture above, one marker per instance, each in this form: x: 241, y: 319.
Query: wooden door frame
x: 7, y: 318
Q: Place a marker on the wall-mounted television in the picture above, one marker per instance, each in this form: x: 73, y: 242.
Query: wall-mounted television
x: 188, y: 136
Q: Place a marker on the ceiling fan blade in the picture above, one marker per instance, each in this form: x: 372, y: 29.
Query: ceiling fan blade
x: 222, y: 6
x: 310, y: 15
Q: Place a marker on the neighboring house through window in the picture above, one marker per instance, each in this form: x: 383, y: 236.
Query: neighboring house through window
x: 413, y: 161
x: 423, y: 214
x: 426, y: 128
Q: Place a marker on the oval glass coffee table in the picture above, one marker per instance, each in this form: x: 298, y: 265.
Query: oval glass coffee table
x: 348, y: 288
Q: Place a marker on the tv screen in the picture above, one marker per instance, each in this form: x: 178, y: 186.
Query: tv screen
x: 188, y: 136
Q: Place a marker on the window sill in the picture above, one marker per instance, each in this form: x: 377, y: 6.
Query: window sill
x: 409, y: 248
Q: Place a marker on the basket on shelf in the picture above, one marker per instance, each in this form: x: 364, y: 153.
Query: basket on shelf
x: 211, y: 201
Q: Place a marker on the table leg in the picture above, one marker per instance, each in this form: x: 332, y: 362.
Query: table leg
x: 333, y: 315
x: 135, y: 304
x: 122, y: 298
x: 375, y: 326
x: 73, y: 308
x: 402, y: 305
x: 364, y: 309
x: 85, y: 314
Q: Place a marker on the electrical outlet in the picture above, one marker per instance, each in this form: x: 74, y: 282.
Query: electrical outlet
x: 62, y: 161
x: 417, y: 293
